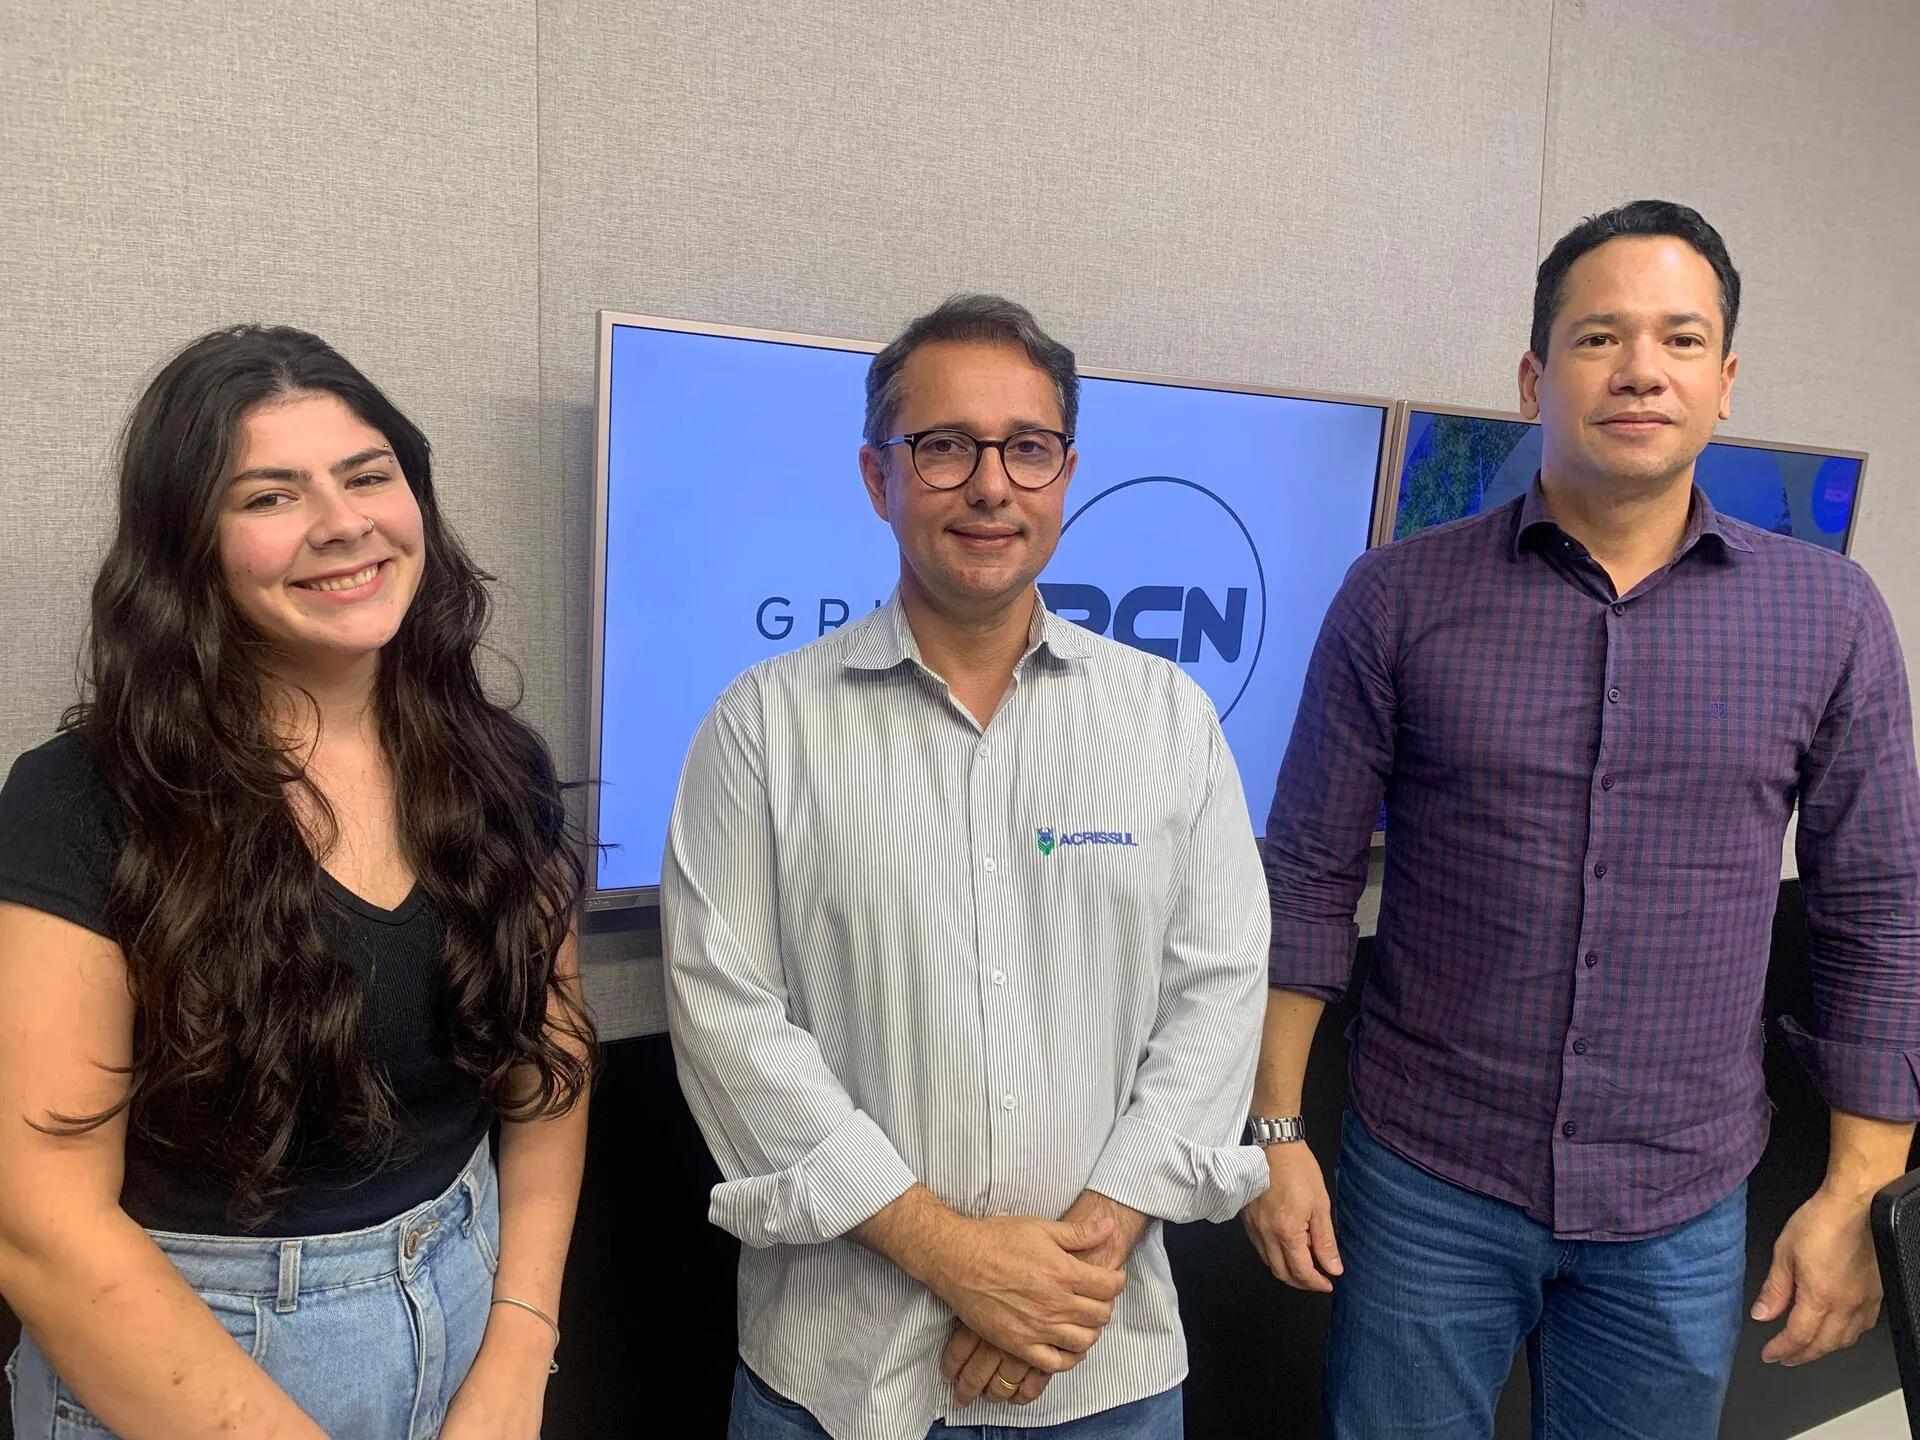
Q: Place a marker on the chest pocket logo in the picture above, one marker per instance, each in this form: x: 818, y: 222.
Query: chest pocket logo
x: 1048, y: 841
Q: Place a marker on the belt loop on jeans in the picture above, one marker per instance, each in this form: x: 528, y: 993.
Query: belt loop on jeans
x: 471, y: 1184
x: 288, y: 1300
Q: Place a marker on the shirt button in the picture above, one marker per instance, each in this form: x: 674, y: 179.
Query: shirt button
x: 1579, y: 1047
x: 1593, y: 959
x: 1007, y: 1102
x: 1619, y: 609
x: 999, y: 977
x: 986, y: 752
x: 1613, y: 693
x: 1569, y: 1129
x: 989, y: 864
x: 1606, y: 782
x: 1599, y: 871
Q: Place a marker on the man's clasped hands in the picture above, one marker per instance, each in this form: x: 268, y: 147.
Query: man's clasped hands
x: 1030, y: 1297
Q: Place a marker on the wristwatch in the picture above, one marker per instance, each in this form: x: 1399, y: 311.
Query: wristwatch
x: 1264, y: 1131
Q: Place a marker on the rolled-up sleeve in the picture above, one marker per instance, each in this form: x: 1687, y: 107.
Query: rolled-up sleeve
x: 1859, y: 858
x: 1331, y: 784
x: 801, y: 1164
x: 1174, y: 1150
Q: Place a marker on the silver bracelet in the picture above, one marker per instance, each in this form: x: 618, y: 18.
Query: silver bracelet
x: 554, y: 1368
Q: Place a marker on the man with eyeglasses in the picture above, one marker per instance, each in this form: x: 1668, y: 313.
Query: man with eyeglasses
x: 965, y: 931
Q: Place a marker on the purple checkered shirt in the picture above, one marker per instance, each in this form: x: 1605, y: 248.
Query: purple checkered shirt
x: 1586, y: 797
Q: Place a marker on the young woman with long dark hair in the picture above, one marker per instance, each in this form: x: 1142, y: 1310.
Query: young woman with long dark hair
x: 285, y: 930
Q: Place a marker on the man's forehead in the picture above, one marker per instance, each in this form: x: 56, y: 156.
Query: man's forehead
x: 1641, y: 280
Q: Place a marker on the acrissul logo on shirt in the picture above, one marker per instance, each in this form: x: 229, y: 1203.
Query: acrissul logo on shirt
x: 1048, y: 841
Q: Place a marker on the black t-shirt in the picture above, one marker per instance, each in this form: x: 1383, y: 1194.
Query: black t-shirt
x: 60, y: 837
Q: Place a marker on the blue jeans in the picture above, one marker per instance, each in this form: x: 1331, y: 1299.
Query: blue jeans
x: 1626, y: 1340
x: 762, y: 1413
x: 369, y: 1332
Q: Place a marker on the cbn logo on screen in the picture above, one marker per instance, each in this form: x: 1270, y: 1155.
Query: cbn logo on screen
x: 1048, y: 841
x: 1165, y: 565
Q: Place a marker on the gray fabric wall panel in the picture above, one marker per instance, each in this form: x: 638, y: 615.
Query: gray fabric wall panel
x: 362, y: 170
x: 1793, y: 128
x: 1335, y: 196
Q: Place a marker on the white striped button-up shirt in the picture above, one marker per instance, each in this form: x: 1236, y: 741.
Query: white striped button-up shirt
x: 1013, y: 962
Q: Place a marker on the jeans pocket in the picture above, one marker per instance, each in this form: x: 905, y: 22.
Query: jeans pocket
x: 41, y: 1404
x: 239, y: 1316
x: 483, y: 1238
x: 71, y: 1418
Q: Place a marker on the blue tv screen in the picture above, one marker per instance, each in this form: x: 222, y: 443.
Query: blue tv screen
x: 1208, y: 525
x: 1459, y: 465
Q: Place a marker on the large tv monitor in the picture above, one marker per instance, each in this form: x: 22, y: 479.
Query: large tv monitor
x: 1207, y: 523
x: 1453, y: 462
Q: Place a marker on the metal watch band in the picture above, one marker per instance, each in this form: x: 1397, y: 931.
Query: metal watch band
x: 1276, y: 1132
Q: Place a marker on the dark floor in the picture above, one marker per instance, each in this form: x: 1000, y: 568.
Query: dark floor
x: 650, y: 1283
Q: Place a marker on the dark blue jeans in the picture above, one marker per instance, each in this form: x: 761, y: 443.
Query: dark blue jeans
x: 1626, y: 1340
x: 760, y: 1413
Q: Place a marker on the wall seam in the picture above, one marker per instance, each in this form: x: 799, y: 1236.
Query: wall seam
x: 1546, y: 137
x: 548, y: 463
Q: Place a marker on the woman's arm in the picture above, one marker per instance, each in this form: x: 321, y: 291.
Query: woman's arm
x: 540, y: 1167
x: 111, y: 1313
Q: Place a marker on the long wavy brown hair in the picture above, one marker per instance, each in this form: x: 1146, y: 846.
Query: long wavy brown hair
x: 248, y: 1036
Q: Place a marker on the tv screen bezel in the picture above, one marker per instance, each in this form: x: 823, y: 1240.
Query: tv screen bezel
x: 598, y: 901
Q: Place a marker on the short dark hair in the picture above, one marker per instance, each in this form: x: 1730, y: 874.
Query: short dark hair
x: 989, y: 318
x: 1640, y: 217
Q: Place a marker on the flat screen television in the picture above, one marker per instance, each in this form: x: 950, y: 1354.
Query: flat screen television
x: 1456, y: 462
x: 1207, y: 523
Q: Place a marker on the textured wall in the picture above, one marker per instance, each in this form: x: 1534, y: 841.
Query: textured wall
x: 1345, y: 196
x: 1291, y: 195
x: 361, y: 169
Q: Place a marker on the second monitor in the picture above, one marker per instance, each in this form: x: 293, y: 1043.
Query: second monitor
x: 1457, y: 462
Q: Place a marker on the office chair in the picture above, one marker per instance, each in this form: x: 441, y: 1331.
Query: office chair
x: 1896, y: 1241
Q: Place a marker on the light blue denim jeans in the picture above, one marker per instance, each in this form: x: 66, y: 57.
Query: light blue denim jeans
x: 370, y: 1332
x: 761, y: 1413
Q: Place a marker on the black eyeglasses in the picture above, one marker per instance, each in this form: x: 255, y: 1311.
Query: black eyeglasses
x: 946, y: 459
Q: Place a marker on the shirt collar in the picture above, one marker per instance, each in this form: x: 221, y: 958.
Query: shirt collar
x: 884, y: 639
x: 1702, y: 520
